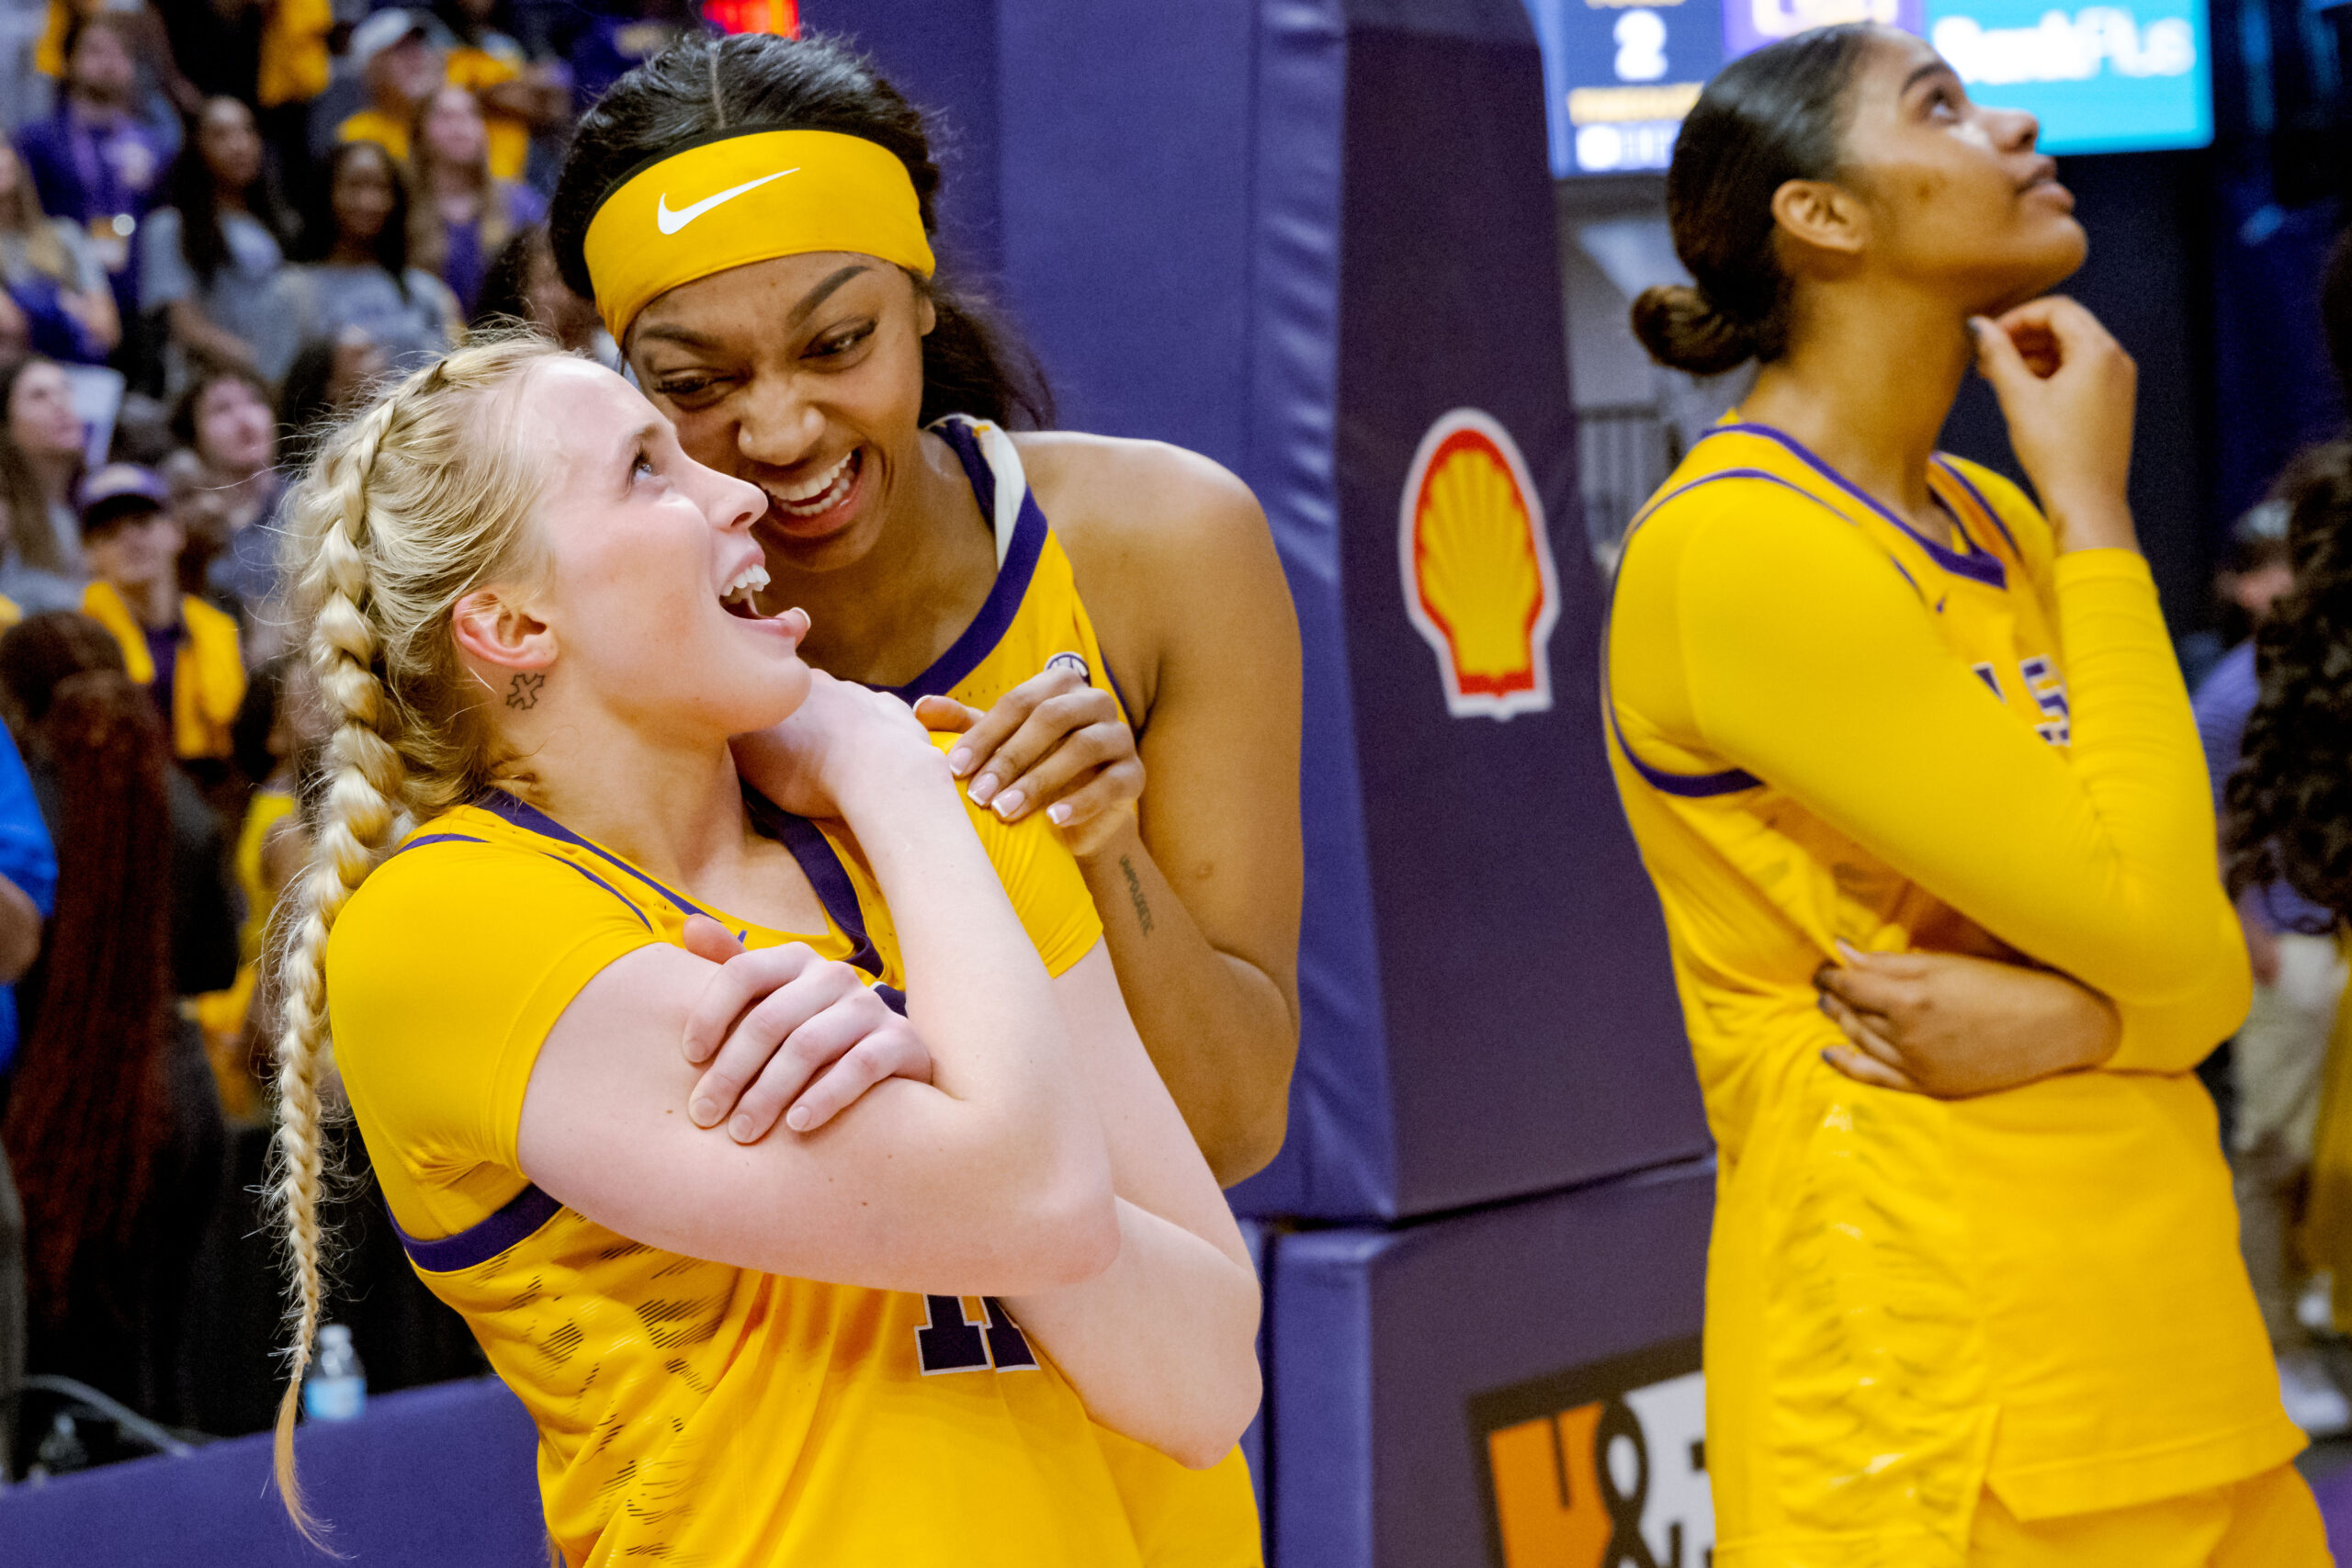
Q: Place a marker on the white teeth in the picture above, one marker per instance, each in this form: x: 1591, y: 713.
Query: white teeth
x: 818, y: 494
x: 744, y: 584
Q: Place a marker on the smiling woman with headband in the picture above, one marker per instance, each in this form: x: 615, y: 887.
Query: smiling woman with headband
x: 752, y: 216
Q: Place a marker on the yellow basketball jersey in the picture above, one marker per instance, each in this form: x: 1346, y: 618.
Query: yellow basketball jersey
x: 1911, y: 1299
x: 692, y: 1411
x: 1033, y: 620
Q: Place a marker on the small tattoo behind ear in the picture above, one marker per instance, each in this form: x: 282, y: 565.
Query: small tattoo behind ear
x: 524, y: 691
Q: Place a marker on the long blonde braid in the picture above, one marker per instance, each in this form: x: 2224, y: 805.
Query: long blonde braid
x: 414, y: 504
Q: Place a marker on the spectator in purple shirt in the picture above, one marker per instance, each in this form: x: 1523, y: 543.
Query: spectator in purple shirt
x: 93, y: 162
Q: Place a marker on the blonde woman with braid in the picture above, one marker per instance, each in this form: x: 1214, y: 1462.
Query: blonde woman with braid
x: 980, y: 1260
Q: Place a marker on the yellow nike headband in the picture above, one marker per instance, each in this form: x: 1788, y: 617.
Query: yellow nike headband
x: 749, y: 198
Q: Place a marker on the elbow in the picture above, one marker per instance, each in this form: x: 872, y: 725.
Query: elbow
x: 1252, y: 1145
x: 1062, y: 1224
x: 1258, y: 1128
x: 1225, y: 1416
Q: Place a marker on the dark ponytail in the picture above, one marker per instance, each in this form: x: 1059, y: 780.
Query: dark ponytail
x: 704, y: 86
x: 2289, y: 805
x: 1767, y: 118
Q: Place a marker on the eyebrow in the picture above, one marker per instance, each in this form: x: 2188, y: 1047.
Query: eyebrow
x: 822, y: 292
x: 1932, y: 68
x: 687, y: 337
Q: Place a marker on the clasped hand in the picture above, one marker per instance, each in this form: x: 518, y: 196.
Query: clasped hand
x: 1950, y: 1026
x: 780, y: 1032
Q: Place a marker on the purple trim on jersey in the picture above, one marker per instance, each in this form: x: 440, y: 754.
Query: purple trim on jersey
x: 626, y: 904
x: 1689, y: 786
x: 484, y: 1239
x: 575, y: 866
x: 1952, y: 468
x: 1003, y: 602
x: 1977, y: 566
x: 521, y: 814
x: 822, y: 867
x: 892, y: 997
x: 436, y: 838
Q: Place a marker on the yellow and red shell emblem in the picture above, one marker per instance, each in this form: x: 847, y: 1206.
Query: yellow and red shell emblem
x: 1479, y: 584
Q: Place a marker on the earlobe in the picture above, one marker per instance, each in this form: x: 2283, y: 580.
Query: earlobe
x: 926, y: 313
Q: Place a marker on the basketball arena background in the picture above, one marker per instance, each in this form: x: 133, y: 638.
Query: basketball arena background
x: 1333, y: 244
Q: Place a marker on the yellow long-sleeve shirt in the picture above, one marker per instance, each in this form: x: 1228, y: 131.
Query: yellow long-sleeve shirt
x: 1829, y: 725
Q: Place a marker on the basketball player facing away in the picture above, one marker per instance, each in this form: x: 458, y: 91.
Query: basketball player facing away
x: 1974, y: 1295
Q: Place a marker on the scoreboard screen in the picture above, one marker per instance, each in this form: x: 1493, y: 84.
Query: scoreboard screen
x: 1619, y: 75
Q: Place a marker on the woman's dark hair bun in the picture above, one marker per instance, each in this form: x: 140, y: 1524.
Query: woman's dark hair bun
x: 1767, y: 118
x: 1683, y: 329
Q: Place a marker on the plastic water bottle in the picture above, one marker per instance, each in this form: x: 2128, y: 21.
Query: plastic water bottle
x: 337, y: 1389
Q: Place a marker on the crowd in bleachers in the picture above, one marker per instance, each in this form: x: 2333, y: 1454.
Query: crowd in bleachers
x: 220, y: 222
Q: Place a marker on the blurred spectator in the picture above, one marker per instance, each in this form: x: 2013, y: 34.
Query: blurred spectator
x: 463, y: 212
x: 524, y: 286
x: 93, y: 161
x: 212, y: 260
x: 328, y: 378
x: 27, y: 896
x: 359, y: 273
x: 161, y: 94
x: 225, y: 490
x: 612, y: 45
x: 113, y: 1125
x: 271, y: 847
x: 2280, y: 1053
x: 55, y: 281
x: 517, y: 94
x: 401, y: 57
x: 182, y: 650
x: 40, y: 462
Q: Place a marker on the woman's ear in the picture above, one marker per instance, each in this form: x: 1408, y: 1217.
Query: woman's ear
x: 496, y: 627
x: 1821, y: 214
x: 926, y: 313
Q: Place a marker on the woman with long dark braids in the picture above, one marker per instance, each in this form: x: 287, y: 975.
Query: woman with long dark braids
x: 113, y: 1122
x: 88, y: 1112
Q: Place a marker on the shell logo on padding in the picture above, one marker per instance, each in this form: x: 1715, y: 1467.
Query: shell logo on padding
x: 1478, y: 579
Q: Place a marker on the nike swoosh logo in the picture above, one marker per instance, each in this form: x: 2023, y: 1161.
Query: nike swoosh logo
x: 670, y: 222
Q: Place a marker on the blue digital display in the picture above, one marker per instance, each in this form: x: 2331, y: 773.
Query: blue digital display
x: 2128, y: 76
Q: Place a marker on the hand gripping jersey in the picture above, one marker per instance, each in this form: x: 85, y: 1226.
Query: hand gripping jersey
x: 1829, y: 725
x: 1033, y: 620
x: 690, y: 1411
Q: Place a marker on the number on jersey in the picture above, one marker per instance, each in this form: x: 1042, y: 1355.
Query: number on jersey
x: 949, y: 1342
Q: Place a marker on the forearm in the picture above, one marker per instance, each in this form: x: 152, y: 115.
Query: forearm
x: 1161, y: 1346
x: 2172, y: 1035
x: 975, y: 989
x: 1219, y: 1029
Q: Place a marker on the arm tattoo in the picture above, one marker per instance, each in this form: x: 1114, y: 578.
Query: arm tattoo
x: 1135, y: 893
x: 525, y: 692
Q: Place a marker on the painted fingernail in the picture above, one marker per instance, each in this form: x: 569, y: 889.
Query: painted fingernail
x: 1848, y: 951
x: 958, y: 759
x: 799, y: 1118
x: 1058, y: 812
x: 740, y: 1129
x: 1009, y: 803
x: 1829, y: 1055
x: 984, y: 786
x: 704, y: 1111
